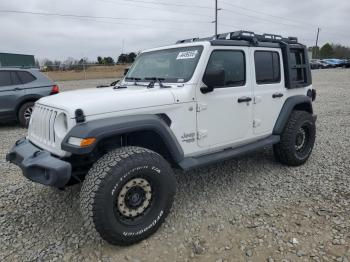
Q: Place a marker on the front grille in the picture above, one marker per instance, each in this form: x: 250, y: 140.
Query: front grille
x: 41, y: 127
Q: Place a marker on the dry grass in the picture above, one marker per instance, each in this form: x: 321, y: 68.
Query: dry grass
x: 93, y: 72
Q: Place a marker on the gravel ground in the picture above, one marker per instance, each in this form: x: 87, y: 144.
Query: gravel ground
x: 247, y: 209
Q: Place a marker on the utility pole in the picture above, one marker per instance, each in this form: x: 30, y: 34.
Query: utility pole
x: 84, y: 68
x: 316, y: 50
x: 216, y: 17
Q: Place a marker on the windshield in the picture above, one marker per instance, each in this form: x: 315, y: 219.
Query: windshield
x: 175, y: 65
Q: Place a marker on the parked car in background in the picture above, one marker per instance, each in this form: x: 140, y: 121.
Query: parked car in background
x: 345, y: 63
x: 333, y: 63
x: 19, y: 89
x: 318, y: 64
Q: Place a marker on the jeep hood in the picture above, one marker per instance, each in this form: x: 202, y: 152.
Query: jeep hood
x: 94, y: 101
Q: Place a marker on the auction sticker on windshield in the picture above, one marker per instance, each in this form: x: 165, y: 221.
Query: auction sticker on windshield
x: 187, y: 54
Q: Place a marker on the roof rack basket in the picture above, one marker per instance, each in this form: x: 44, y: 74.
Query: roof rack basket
x: 244, y: 35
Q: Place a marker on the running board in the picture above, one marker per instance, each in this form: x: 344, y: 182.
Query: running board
x: 195, y: 162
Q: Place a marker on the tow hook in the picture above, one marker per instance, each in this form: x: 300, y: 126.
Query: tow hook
x: 36, y: 153
x: 20, y: 141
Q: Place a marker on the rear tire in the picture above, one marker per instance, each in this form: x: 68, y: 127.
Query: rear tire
x: 127, y: 195
x: 297, y: 139
x: 24, y: 113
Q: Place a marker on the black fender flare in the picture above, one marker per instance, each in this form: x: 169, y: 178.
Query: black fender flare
x: 104, y: 128
x: 287, y: 109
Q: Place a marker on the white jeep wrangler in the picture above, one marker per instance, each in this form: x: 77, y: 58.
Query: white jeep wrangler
x: 187, y: 105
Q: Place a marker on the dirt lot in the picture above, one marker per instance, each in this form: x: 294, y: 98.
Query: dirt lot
x: 92, y: 72
x: 247, y: 209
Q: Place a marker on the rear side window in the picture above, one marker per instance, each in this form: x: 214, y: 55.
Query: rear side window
x: 15, y: 79
x: 232, y: 62
x: 5, y: 78
x: 26, y: 77
x: 267, y: 67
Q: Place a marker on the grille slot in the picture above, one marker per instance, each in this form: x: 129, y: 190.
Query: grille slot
x: 42, y: 125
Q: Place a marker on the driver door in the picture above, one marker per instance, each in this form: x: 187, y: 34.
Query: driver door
x: 224, y: 115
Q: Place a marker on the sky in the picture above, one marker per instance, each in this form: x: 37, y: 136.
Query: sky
x: 91, y: 28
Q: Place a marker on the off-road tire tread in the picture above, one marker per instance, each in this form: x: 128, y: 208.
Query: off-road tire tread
x: 283, y: 151
x: 95, y: 177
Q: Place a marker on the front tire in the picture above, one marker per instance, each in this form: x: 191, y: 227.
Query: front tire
x: 127, y: 195
x: 297, y: 139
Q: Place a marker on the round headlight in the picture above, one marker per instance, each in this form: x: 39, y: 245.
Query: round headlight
x: 61, y: 125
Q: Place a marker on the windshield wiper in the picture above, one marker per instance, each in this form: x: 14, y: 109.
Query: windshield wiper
x: 156, y: 80
x: 135, y: 80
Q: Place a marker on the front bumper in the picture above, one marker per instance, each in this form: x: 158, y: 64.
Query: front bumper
x: 39, y: 165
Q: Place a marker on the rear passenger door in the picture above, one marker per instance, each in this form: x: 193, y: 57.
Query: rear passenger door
x: 269, y: 89
x: 10, y: 89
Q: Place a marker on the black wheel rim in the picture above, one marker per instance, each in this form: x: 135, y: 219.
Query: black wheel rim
x: 302, y: 140
x: 28, y: 113
x: 134, y: 200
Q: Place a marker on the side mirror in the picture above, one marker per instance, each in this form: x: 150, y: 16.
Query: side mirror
x: 212, y: 79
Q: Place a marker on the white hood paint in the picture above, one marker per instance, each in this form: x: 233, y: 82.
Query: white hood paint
x: 94, y: 101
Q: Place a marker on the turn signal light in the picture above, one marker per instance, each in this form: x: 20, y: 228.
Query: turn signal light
x: 87, y: 141
x: 81, y: 142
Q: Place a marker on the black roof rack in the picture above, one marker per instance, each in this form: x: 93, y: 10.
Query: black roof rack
x: 245, y: 35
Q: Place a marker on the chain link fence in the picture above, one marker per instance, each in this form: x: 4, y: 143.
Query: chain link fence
x: 84, y: 71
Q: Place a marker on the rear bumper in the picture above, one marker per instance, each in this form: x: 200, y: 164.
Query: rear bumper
x: 39, y: 165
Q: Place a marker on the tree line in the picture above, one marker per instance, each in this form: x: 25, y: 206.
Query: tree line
x: 79, y: 64
x: 330, y: 50
x: 122, y: 59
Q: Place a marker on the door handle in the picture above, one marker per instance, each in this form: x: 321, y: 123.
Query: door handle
x: 277, y: 95
x: 244, y: 99
x: 18, y: 89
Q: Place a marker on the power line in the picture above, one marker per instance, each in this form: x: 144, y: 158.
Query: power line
x: 200, y: 6
x: 103, y: 17
x: 169, y: 4
x: 127, y: 24
x: 153, y: 19
x: 300, y: 22
x: 260, y: 18
x: 266, y: 14
x: 203, y: 7
x: 153, y: 8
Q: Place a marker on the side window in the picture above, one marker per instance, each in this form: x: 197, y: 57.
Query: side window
x: 15, y: 79
x: 26, y: 77
x: 5, y: 78
x: 267, y: 67
x: 232, y: 62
